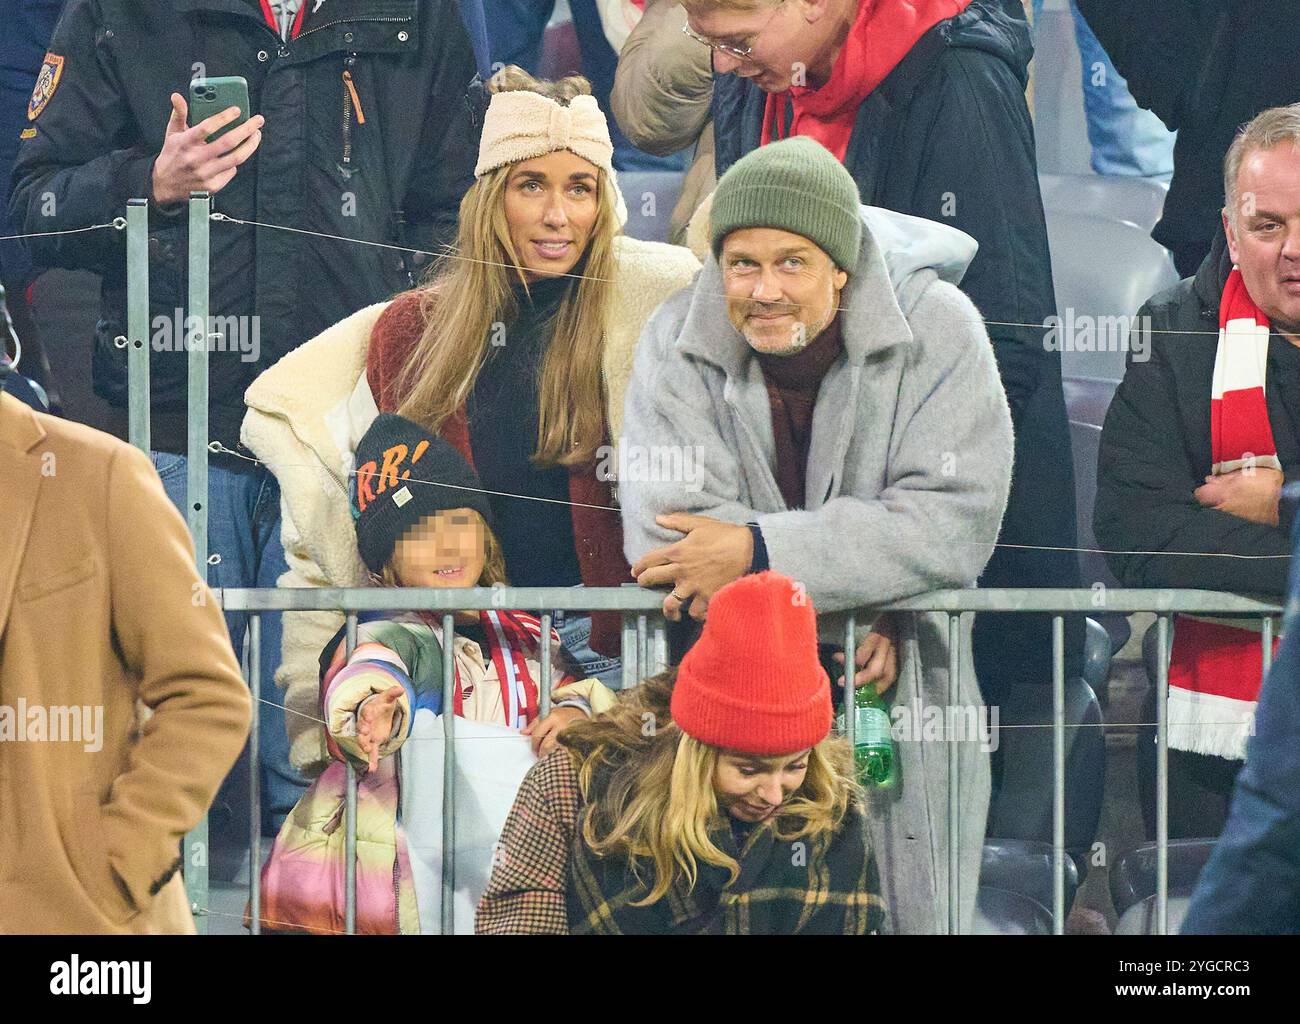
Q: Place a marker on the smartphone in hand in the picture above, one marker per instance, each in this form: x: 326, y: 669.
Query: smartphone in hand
x: 210, y: 96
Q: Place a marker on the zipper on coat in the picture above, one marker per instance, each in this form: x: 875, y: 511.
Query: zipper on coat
x: 351, y: 107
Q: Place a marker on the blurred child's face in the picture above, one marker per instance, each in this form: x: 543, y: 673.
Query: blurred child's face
x: 446, y: 549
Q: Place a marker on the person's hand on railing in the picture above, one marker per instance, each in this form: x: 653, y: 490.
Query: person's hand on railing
x: 710, y: 555
x: 1246, y: 493
x: 375, y: 723
x: 189, y: 163
x: 545, y: 731
x: 877, y: 656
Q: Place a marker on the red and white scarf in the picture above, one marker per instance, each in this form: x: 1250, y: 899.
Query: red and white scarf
x: 1214, y: 674
x: 882, y: 34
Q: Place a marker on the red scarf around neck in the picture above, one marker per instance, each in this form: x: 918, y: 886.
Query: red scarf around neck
x: 1215, y: 669
x: 882, y: 35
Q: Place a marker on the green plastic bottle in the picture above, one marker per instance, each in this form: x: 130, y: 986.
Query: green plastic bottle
x: 873, y: 741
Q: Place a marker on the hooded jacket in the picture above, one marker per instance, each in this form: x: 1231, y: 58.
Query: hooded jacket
x: 908, y: 472
x: 947, y: 136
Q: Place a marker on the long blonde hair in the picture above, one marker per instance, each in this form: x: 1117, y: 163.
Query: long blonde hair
x: 649, y: 789
x: 469, y: 291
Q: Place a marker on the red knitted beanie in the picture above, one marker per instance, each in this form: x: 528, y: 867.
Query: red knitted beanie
x: 753, y: 682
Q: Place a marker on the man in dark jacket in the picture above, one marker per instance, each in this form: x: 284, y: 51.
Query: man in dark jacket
x: 1169, y: 492
x: 1205, y: 67
x: 945, y: 134
x: 22, y: 45
x: 364, y: 126
x: 1251, y: 886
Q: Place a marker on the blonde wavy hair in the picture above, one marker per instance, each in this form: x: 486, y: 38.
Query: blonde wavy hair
x: 469, y: 290
x: 650, y: 796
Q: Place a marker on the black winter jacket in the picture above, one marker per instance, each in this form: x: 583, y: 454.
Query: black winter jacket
x: 947, y: 136
x: 396, y: 178
x: 1155, y: 451
x: 1205, y: 67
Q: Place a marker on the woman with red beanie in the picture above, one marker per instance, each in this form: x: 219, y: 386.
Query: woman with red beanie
x: 711, y: 800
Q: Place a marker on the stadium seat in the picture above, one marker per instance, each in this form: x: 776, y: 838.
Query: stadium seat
x: 1002, y: 912
x: 1085, y: 440
x: 650, y: 198
x: 1133, y: 884
x: 1102, y: 270
x: 1098, y: 650
x: 1140, y: 919
x: 1025, y: 866
x: 560, y: 53
x: 1132, y: 200
x: 1088, y: 398
x: 1022, y: 806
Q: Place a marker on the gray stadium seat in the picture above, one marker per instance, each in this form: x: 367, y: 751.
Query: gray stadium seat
x: 1025, y: 866
x: 1133, y: 884
x: 1002, y: 912
x: 1022, y: 806
x: 1085, y: 439
x: 1088, y: 398
x: 650, y: 198
x: 1137, y: 201
x: 1102, y: 270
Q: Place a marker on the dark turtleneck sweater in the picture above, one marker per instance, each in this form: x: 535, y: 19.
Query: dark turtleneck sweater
x: 792, y: 385
x: 536, y: 536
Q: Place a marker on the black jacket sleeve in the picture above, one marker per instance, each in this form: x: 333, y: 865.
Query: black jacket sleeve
x: 1160, y: 47
x: 1145, y: 480
x: 444, y: 165
x: 988, y: 187
x: 82, y: 166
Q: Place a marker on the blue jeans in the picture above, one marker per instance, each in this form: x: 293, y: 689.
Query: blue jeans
x: 244, y: 531
x: 1125, y: 138
x: 575, y: 633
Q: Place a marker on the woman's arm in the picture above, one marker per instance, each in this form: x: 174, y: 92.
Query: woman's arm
x: 526, y: 893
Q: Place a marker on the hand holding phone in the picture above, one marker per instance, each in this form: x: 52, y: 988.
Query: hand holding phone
x: 205, y: 157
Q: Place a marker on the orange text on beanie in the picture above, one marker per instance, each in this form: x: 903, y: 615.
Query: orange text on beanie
x: 753, y: 682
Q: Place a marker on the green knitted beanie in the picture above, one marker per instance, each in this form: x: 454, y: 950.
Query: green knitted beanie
x: 796, y: 185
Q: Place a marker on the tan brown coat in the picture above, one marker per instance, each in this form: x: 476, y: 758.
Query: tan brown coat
x: 101, y: 608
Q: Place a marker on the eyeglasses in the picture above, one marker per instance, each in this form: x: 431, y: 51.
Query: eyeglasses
x: 734, y: 52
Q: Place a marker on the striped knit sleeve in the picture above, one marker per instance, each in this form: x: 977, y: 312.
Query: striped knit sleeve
x: 526, y: 893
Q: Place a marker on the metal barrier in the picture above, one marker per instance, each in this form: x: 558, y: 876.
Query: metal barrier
x: 643, y: 636
x: 645, y: 653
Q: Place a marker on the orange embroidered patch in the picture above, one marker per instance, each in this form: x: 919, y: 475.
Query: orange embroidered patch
x: 46, y: 82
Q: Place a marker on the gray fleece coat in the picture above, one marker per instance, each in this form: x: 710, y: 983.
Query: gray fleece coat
x: 907, y: 479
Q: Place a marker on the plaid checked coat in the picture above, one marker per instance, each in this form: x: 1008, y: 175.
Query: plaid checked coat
x: 547, y: 882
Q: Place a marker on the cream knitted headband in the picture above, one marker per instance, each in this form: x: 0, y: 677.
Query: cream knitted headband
x: 520, y: 125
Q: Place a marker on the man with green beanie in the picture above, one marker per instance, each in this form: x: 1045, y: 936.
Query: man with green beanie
x: 848, y: 428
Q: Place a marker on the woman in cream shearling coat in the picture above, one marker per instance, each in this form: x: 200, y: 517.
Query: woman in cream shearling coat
x: 307, y: 413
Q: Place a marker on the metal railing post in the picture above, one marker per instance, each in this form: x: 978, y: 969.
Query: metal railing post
x: 350, y: 811
x: 658, y: 645
x: 627, y: 652
x: 254, y: 777
x: 1058, y: 775
x: 850, y: 666
x: 448, y: 924
x: 954, y: 801
x: 1162, y: 776
x: 196, y: 875
x: 544, y: 697
x: 137, y: 322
